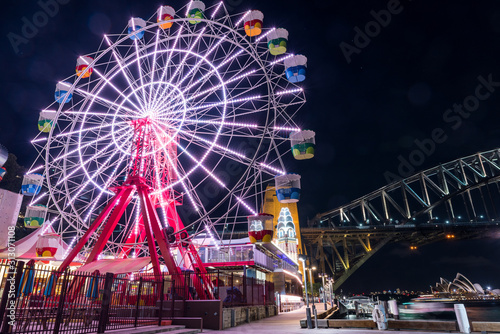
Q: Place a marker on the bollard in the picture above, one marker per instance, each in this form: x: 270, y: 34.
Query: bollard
x: 378, y: 315
x: 308, y: 317
x: 393, y: 308
x: 315, y: 318
x: 462, y: 319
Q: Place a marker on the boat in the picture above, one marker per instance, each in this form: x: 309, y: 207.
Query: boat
x: 428, y: 307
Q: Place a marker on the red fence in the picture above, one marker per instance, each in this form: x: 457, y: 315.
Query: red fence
x: 42, y: 301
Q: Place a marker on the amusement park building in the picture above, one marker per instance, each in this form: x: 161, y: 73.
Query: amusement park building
x: 275, y: 261
x: 264, y: 261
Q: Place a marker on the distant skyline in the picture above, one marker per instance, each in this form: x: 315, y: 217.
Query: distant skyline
x: 382, y: 77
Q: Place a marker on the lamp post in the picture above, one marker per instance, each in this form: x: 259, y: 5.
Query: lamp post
x: 302, y: 258
x: 323, y: 275
x: 312, y: 295
x: 311, y: 282
x: 330, y: 283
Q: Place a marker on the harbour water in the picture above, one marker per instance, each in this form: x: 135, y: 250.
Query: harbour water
x: 483, y: 313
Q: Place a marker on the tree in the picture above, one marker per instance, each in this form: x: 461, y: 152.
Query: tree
x: 13, y: 180
x: 316, y: 287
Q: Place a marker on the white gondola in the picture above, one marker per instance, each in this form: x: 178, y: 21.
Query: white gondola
x: 35, y: 216
x: 287, y: 188
x: 47, y: 245
x: 277, y: 41
x: 295, y: 68
x: 196, y: 12
x: 253, y: 23
x: 63, y: 94
x: 260, y: 228
x: 32, y: 184
x: 303, y: 144
x: 135, y: 25
x: 165, y: 15
x: 82, y: 63
x: 46, y: 120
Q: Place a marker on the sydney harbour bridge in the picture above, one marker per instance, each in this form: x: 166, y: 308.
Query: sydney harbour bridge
x: 459, y: 199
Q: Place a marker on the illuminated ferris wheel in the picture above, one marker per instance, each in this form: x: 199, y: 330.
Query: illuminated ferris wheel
x: 174, y: 127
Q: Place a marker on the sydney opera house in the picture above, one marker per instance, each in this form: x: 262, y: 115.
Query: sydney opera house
x: 462, y: 286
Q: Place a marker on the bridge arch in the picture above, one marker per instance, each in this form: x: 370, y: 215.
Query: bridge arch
x: 458, y: 199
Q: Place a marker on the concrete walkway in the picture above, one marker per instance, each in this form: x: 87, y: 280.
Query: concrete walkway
x: 284, y: 323
x: 288, y: 323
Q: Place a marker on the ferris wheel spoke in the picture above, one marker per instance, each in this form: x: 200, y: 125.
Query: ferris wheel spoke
x: 124, y: 70
x: 119, y: 91
x: 166, y: 65
x: 216, y: 87
x: 96, y: 173
x: 190, y: 191
x: 139, y: 69
x: 226, y: 152
x: 216, y: 104
x: 180, y: 66
x: 93, y: 128
x: 216, y: 121
x: 107, y: 102
x: 182, y: 176
x: 93, y: 157
x: 201, y: 60
x: 200, y: 164
x: 206, y: 143
x: 204, y: 78
x: 152, y: 71
x: 93, y: 113
x: 96, y: 201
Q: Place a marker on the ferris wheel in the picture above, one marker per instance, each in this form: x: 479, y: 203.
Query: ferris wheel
x: 186, y: 115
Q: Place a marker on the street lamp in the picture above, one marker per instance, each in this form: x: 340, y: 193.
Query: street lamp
x: 311, y: 282
x: 303, y: 258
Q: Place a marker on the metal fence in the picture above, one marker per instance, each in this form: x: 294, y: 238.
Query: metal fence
x: 35, y: 300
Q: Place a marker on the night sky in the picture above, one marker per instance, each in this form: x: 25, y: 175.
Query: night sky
x: 369, y: 99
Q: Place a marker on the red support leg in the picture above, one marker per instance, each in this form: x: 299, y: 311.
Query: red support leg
x: 149, y: 236
x: 125, y: 198
x: 78, y: 247
x: 192, y: 254
x: 152, y: 216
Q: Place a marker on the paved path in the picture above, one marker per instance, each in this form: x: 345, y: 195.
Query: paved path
x: 288, y: 323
